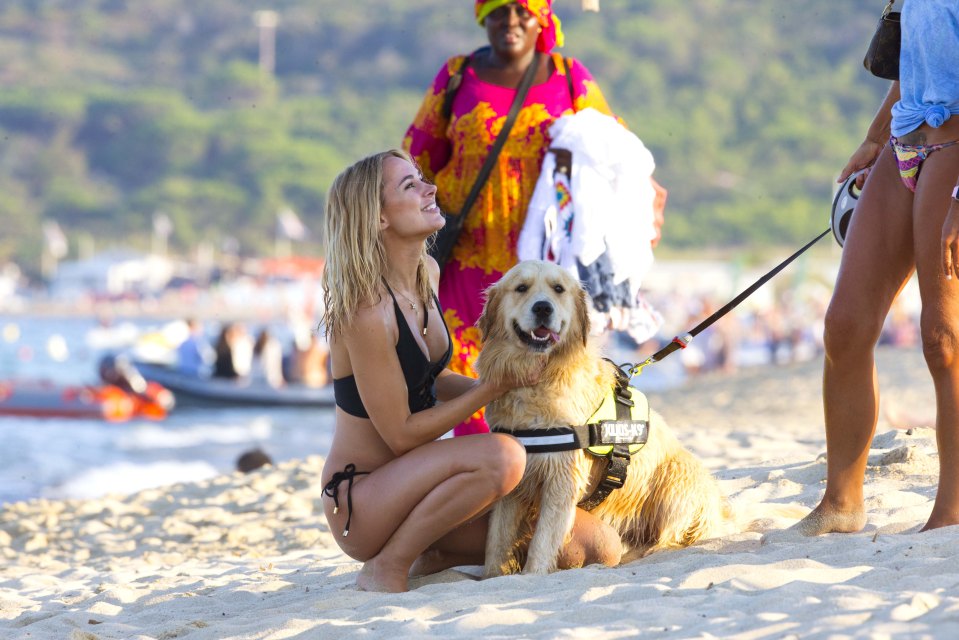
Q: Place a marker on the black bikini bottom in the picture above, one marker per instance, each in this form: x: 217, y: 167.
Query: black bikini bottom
x: 333, y: 486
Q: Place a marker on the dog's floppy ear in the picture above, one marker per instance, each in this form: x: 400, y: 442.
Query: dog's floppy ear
x: 486, y: 321
x: 582, y: 312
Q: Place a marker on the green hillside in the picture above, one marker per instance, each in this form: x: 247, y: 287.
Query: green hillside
x: 114, y: 110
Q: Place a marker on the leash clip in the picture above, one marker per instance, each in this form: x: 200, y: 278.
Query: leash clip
x: 636, y: 369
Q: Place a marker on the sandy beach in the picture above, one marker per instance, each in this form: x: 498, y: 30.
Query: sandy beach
x: 251, y: 557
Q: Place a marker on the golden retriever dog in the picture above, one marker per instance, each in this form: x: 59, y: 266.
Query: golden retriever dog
x: 539, y: 311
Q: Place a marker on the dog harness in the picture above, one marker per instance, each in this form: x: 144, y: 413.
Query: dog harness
x: 617, y: 429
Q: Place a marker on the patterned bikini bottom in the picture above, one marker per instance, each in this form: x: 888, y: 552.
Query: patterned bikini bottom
x: 910, y: 159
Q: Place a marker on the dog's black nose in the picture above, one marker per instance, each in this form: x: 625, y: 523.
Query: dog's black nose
x: 542, y: 310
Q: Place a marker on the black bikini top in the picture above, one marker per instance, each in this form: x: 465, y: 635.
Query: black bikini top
x: 419, y: 373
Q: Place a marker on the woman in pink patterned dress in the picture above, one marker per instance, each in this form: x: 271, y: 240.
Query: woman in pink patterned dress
x: 450, y: 152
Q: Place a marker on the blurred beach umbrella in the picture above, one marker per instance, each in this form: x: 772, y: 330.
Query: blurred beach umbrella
x: 55, y: 247
x: 55, y: 240
x: 289, y: 225
x: 205, y: 256
x: 162, y: 228
x: 266, y: 22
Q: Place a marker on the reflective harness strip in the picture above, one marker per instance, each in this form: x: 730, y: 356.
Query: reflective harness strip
x: 598, y: 438
x: 551, y: 440
x: 614, y: 439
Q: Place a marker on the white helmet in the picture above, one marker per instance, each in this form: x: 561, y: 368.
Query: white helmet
x: 842, y: 207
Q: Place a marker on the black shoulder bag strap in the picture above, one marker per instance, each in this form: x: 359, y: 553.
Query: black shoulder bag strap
x: 569, y: 83
x: 453, y: 86
x: 564, y: 157
x: 514, y: 109
x: 442, y: 253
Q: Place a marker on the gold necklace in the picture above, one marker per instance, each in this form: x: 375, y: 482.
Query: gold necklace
x: 410, y: 302
x: 405, y: 297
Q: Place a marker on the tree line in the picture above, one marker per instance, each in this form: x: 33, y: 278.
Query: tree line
x: 115, y: 111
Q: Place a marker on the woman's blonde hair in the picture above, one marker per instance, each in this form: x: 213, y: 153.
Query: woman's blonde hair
x: 356, y: 262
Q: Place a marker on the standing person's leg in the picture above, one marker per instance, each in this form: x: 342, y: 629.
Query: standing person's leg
x: 939, y: 324
x: 877, y: 261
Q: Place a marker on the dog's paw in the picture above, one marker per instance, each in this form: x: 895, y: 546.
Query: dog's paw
x: 497, y: 570
x: 538, y: 569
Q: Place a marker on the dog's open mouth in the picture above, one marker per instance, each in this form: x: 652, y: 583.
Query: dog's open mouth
x: 539, y: 338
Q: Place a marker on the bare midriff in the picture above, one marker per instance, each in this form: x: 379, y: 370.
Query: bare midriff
x: 927, y: 135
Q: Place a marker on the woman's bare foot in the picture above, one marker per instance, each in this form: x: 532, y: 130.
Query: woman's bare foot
x: 434, y: 560
x: 825, y: 520
x: 936, y: 522
x: 377, y: 576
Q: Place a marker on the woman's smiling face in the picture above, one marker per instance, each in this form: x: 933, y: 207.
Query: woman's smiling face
x: 409, y: 201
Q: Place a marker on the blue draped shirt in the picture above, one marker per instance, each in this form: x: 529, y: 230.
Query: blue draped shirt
x: 928, y: 65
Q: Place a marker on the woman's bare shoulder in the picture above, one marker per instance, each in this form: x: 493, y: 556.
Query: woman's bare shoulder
x: 370, y: 321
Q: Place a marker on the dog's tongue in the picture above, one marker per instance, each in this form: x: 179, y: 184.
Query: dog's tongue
x: 543, y: 333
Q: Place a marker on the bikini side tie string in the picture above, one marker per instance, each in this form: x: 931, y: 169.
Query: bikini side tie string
x: 332, y: 490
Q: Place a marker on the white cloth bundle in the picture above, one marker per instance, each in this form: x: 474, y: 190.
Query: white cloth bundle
x: 608, y: 210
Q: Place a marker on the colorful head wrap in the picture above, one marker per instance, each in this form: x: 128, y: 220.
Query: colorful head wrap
x: 552, y: 33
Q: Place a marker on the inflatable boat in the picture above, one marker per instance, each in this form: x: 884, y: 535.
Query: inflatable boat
x: 44, y: 399
x: 194, y: 390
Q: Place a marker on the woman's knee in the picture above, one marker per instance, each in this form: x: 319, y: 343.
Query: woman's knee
x: 848, y: 330
x: 940, y: 346
x: 505, y: 461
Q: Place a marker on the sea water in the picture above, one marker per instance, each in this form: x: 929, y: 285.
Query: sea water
x: 79, y: 458
x: 85, y: 458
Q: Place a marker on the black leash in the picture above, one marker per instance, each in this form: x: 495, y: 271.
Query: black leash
x: 681, y: 342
